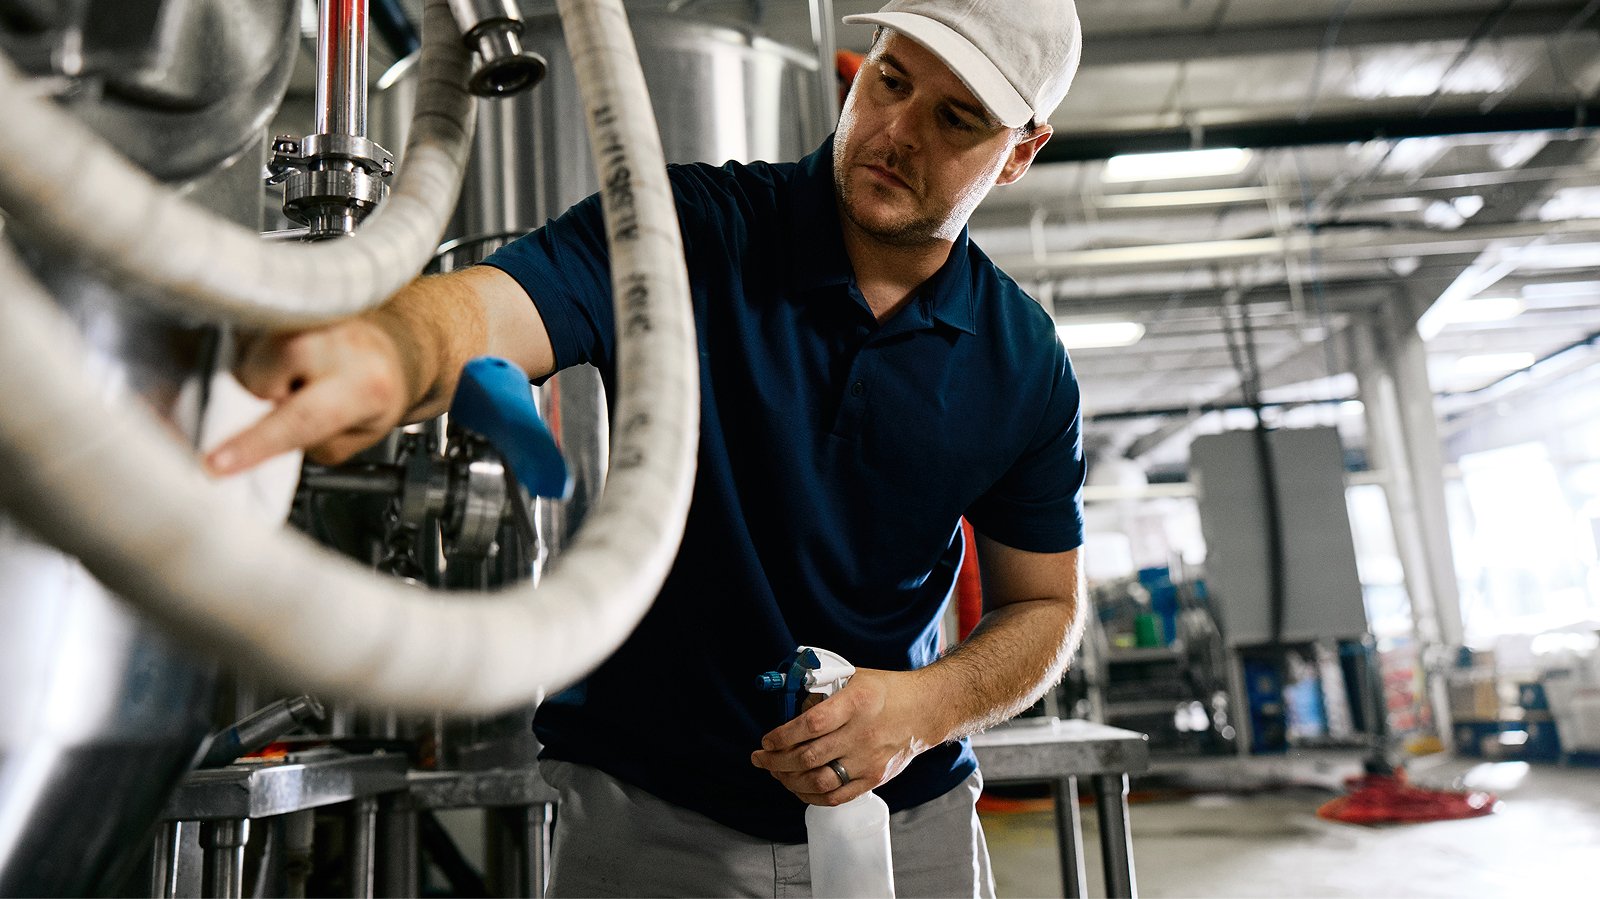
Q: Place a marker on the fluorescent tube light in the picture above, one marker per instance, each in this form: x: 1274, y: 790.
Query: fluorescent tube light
x: 1492, y: 363
x: 1092, y: 335
x: 1484, y: 309
x: 1182, y: 164
x: 1562, y: 290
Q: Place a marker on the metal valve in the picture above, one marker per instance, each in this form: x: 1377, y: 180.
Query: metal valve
x: 492, y: 29
x: 499, y: 454
x: 331, y: 181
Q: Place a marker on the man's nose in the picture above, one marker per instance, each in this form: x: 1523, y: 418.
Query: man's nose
x: 904, y: 129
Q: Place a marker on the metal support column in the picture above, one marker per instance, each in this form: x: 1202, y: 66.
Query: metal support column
x: 1068, y: 826
x: 1116, y: 837
x: 1425, y: 457
x: 1403, y: 443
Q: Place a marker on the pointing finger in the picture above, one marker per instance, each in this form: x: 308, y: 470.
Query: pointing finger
x: 305, y: 420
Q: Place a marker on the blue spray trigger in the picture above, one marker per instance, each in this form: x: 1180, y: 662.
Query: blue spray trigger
x: 494, y: 401
x: 790, y: 679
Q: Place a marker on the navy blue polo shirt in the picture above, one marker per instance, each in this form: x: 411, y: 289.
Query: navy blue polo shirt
x: 837, y: 456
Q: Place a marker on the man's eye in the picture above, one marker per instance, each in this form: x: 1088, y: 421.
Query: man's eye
x: 890, y: 81
x: 957, y: 122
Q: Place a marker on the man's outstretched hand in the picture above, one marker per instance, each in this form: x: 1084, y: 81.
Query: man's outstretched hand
x: 335, y: 391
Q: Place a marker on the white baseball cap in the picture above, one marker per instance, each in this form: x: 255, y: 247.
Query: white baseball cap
x: 1016, y: 56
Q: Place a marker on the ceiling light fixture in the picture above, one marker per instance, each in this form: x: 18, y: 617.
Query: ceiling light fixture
x: 1484, y: 309
x: 1095, y: 335
x: 1181, y: 164
x: 1561, y: 290
x: 1492, y: 363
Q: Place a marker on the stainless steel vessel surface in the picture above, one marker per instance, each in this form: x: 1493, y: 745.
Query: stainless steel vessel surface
x: 719, y: 94
x: 100, y: 713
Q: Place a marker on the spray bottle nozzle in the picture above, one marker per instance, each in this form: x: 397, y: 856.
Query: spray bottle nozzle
x: 808, y: 670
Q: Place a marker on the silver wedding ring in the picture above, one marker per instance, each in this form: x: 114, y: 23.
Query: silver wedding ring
x: 844, y: 776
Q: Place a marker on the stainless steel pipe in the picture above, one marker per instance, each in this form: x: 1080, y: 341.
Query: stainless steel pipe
x: 342, y: 68
x: 493, y: 29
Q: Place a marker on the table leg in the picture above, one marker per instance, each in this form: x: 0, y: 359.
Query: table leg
x: 1116, y: 841
x: 539, y: 818
x: 164, y: 867
x: 400, y: 858
x: 223, y: 843
x: 1069, y: 838
x: 363, y: 847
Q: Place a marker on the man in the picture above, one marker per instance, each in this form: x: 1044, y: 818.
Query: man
x: 869, y: 378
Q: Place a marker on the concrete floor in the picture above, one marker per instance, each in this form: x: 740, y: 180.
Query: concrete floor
x: 1249, y: 828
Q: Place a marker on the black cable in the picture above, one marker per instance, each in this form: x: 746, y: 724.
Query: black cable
x: 441, y: 849
x: 1271, y: 500
x: 1330, y: 37
x: 1247, y: 365
x: 1318, y: 293
x: 1486, y: 25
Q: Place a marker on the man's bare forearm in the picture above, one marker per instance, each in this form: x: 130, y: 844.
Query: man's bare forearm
x: 437, y: 324
x: 1017, y: 653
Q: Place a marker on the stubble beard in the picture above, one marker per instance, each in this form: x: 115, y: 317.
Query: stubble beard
x: 910, y: 230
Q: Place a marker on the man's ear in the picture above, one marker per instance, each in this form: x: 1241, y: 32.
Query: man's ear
x: 1023, y: 153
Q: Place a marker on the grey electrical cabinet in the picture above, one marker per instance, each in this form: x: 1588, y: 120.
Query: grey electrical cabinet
x: 1323, y: 595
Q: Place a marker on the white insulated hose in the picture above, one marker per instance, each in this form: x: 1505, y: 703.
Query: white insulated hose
x: 112, y: 487
x: 65, y: 185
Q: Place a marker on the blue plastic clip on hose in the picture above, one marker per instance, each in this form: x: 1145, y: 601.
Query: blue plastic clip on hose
x: 494, y: 401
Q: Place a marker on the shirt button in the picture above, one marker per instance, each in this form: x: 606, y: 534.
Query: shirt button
x: 858, y: 388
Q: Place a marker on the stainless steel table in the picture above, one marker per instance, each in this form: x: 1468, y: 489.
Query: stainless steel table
x: 519, y: 795
x: 1059, y: 752
x: 264, y: 789
x: 221, y: 802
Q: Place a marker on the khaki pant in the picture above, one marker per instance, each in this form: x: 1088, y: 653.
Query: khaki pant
x: 613, y: 839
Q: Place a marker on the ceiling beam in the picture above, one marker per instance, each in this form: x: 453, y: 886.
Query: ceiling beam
x: 1328, y: 244
x: 1078, y: 146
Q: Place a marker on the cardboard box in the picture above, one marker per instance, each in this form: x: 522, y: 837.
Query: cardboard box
x: 1474, y: 696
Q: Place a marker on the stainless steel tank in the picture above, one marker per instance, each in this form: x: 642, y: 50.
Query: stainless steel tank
x: 719, y: 94
x: 100, y: 714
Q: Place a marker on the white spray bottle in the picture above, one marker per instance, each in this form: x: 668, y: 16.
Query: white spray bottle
x: 849, y: 843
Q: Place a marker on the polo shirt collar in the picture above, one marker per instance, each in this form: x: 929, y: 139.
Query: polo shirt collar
x: 817, y: 256
x: 815, y: 224
x: 950, y: 288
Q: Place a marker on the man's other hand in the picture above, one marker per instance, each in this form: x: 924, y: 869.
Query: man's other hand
x: 335, y: 391
x: 873, y: 728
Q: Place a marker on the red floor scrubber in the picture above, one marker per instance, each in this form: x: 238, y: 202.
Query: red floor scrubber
x: 1382, y: 794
